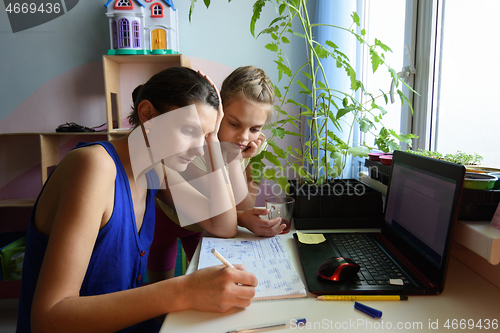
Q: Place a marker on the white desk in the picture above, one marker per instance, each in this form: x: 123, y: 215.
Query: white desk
x: 466, y: 296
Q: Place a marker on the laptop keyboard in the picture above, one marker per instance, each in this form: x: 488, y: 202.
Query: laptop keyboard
x: 376, y: 268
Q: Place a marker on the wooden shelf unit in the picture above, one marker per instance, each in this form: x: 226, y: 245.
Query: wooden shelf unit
x: 123, y: 73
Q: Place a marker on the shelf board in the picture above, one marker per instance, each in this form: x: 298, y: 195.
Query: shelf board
x: 17, y: 202
x: 120, y: 131
x: 150, y: 58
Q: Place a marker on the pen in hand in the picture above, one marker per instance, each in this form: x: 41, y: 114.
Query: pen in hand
x: 221, y: 258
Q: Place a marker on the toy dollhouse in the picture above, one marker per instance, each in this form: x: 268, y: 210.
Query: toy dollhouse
x: 142, y: 27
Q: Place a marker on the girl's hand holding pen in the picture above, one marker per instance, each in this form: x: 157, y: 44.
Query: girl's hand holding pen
x: 219, y: 288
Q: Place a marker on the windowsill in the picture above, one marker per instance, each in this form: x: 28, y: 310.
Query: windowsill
x: 481, y: 238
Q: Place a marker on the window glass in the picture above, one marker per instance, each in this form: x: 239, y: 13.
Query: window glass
x: 157, y: 10
x: 385, y: 21
x: 467, y: 117
x: 124, y: 33
x: 123, y: 3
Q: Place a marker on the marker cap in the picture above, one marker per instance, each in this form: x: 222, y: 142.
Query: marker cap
x: 302, y: 321
x: 368, y: 310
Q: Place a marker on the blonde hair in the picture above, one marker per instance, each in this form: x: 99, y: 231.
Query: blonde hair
x: 249, y: 82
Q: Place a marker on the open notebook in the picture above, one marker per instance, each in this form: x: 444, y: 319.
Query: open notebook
x: 264, y: 257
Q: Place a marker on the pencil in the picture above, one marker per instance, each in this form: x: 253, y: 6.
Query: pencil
x: 221, y: 258
x: 363, y: 298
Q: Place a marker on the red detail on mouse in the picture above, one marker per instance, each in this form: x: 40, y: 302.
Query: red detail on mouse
x: 338, y: 269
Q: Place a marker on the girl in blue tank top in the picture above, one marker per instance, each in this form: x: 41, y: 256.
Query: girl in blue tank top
x: 92, y: 225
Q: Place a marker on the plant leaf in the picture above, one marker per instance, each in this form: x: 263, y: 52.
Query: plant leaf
x: 306, y: 74
x: 279, y: 132
x: 321, y: 51
x: 355, y: 18
x: 300, y: 170
x: 297, y: 34
x: 385, y: 96
x: 272, y: 158
x: 257, y: 9
x: 282, y: 8
x: 331, y: 44
x: 376, y: 60
x: 303, y: 86
x: 358, y: 151
x: 277, y: 92
x: 270, y: 173
x: 352, y: 76
x: 365, y: 124
x: 345, y: 102
x: 344, y: 111
x: 279, y: 18
x: 257, y: 167
x: 404, y: 98
x: 293, y: 133
x: 284, y: 184
x: 394, y: 76
x: 376, y: 106
x: 191, y: 9
x: 282, y: 67
x: 277, y: 150
x: 382, y: 45
x: 272, y: 47
x: 269, y: 30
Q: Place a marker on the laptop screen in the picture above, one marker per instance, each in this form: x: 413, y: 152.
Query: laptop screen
x: 419, y: 209
x: 422, y: 204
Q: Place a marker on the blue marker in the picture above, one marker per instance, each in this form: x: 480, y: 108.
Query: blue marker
x: 369, y: 311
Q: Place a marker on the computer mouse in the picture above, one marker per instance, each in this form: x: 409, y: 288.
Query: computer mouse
x: 338, y: 269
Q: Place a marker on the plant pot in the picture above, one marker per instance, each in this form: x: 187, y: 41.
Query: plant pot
x: 479, y: 181
x: 485, y: 170
x: 478, y: 205
x: 386, y: 159
x: 339, y: 204
x: 480, y: 169
x: 375, y: 156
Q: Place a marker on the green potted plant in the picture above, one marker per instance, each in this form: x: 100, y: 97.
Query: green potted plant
x: 459, y: 157
x: 322, y: 154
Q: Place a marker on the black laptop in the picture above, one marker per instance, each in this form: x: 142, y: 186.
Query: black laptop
x: 410, y: 254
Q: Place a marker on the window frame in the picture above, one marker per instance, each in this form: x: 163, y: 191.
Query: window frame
x: 124, y: 34
x: 427, y: 48
x: 114, y: 31
x: 153, y: 6
x: 136, y: 35
x: 129, y: 7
